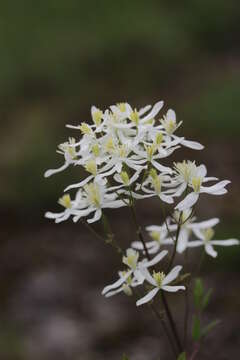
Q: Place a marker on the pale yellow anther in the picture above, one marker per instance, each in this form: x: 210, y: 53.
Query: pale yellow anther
x: 65, y: 201
x: 85, y: 129
x: 151, y: 149
x: 93, y: 193
x: 135, y: 117
x: 125, y: 177
x: 91, y: 167
x: 122, y: 150
x: 127, y: 290
x: 186, y: 169
x: 131, y: 259
x: 68, y: 147
x: 159, y: 277
x: 208, y: 234
x: 122, y: 107
x: 97, y: 117
x: 170, y: 125
x: 109, y: 146
x: 196, y: 183
x: 155, y: 235
x: 159, y: 138
x: 96, y: 150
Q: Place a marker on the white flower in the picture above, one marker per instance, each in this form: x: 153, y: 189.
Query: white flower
x: 156, y: 183
x: 134, y: 271
x: 188, y: 174
x: 70, y: 156
x: 206, y: 234
x: 187, y: 227
x: 160, y: 281
x: 159, y: 235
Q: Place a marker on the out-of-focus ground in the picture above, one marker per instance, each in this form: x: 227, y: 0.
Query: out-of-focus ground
x: 57, y: 59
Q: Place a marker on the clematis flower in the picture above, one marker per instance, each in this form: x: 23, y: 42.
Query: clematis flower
x: 206, y: 236
x: 134, y: 270
x: 193, y: 176
x: 160, y: 281
x: 159, y: 235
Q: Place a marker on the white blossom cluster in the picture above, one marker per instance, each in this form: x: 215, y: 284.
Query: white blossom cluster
x: 123, y: 154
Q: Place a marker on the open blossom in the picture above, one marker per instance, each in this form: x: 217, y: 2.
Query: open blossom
x: 160, y: 237
x: 133, y: 275
x: 160, y: 281
x: 92, y: 198
x: 189, y: 175
x: 206, y: 238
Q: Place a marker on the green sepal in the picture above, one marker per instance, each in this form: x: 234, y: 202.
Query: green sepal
x: 210, y: 327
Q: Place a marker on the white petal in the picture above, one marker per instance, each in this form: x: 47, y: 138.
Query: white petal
x: 172, y: 275
x: 182, y: 240
x: 210, y: 250
x: 155, y: 110
x: 80, y: 184
x: 54, y: 171
x: 204, y: 224
x: 188, y: 202
x: 156, y: 259
x: 96, y: 217
x: 161, y: 168
x: 192, y: 144
x: 166, y: 199
x: 147, y: 297
x: 117, y: 283
x: 195, y: 243
x: 171, y: 288
x: 215, y: 188
x: 114, y: 292
x: 228, y: 242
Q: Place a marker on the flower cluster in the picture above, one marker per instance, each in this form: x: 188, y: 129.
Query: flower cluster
x: 123, y: 155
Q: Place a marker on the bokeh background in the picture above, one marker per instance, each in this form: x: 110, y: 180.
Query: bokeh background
x: 57, y: 59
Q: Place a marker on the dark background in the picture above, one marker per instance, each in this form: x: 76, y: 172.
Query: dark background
x: 57, y: 59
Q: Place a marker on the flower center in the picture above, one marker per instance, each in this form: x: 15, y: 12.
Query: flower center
x: 159, y: 277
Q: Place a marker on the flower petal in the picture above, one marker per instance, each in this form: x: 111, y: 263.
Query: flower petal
x: 188, y: 202
x: 147, y: 297
x: 171, y: 288
x: 172, y: 275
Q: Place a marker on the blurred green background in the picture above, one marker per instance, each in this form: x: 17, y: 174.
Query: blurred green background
x: 60, y: 57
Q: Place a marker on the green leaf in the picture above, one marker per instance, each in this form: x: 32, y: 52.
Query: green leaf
x: 206, y: 298
x: 198, y: 293
x: 182, y: 356
x: 196, y: 330
x: 125, y: 357
x: 210, y: 327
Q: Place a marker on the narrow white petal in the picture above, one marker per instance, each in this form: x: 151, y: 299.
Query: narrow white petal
x: 117, y: 283
x: 55, y: 171
x: 80, y: 184
x: 96, y: 217
x: 188, y: 202
x: 172, y: 275
x: 171, y: 288
x: 114, y: 292
x: 192, y: 144
x: 204, y: 224
x: 228, y: 242
x: 215, y: 188
x: 210, y: 250
x: 156, y: 259
x: 147, y: 297
x: 195, y: 243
